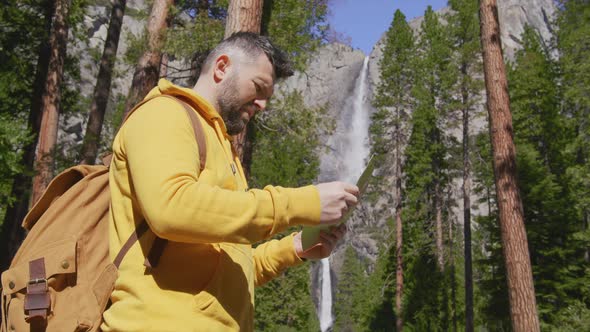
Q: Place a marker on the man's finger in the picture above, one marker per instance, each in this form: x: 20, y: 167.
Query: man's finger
x: 351, y: 188
x: 350, y: 199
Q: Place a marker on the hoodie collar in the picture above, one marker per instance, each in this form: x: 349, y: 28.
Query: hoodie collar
x: 199, y: 103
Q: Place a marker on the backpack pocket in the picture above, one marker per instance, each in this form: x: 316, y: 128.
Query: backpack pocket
x: 59, y: 261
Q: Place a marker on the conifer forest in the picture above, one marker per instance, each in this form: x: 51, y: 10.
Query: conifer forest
x: 477, y: 217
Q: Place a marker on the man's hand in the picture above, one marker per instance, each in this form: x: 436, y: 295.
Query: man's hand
x: 336, y: 198
x: 324, y: 246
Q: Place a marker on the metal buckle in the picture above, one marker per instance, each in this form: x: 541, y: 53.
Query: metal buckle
x: 37, y: 281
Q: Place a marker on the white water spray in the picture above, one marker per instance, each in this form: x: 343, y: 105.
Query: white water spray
x: 346, y: 163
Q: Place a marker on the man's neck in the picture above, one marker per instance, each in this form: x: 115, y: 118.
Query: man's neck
x: 203, y: 89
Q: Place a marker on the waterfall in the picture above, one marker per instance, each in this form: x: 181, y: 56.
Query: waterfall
x: 326, y: 304
x: 345, y: 162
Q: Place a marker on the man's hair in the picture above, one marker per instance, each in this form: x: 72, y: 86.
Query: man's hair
x: 251, y: 45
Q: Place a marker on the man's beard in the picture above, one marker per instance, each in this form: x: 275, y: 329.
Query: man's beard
x: 230, y: 107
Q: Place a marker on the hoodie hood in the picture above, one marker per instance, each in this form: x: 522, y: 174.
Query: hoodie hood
x: 207, y: 111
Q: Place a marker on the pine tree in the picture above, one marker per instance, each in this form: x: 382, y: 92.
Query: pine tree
x: 426, y: 178
x: 393, y: 103
x: 24, y: 60
x: 351, y: 283
x: 24, y: 65
x: 378, y: 296
x: 540, y: 135
x: 44, y: 161
x: 464, y: 27
x: 574, y: 49
x: 514, y: 241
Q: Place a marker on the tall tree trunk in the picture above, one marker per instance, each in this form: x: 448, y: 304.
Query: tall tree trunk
x: 50, y: 101
x: 467, y: 207
x: 438, y: 226
x: 243, y: 15
x: 12, y: 234
x: 147, y: 71
x: 523, y: 309
x: 452, y: 273
x: 102, y: 89
x: 164, y: 66
x: 399, y: 269
x: 586, y: 227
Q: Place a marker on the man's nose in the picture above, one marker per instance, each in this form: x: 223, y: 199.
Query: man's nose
x: 260, y: 103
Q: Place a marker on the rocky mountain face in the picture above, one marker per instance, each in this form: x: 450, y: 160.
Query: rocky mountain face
x: 328, y: 81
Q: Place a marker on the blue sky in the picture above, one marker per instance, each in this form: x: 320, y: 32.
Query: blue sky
x: 364, y: 21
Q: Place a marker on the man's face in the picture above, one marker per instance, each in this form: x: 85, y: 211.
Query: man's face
x: 245, y: 91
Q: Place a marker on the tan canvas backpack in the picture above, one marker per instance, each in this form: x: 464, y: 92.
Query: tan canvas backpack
x: 61, y: 277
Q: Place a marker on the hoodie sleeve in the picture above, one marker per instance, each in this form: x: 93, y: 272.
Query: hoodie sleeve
x: 273, y: 257
x: 163, y: 164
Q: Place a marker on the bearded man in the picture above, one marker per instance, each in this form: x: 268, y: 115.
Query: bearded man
x: 206, y: 273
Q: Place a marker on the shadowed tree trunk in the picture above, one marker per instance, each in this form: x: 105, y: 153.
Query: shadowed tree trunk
x: 466, y: 188
x: 399, y: 269
x: 523, y: 309
x: 50, y: 101
x: 243, y: 15
x: 102, y: 89
x: 147, y: 71
x: 452, y: 273
x: 438, y: 226
x: 12, y: 234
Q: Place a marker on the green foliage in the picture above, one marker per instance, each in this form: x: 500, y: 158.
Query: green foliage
x: 185, y: 40
x: 285, y: 304
x: 427, y: 290
x: 574, y: 49
x: 576, y: 317
x: 350, y: 296
x: 13, y: 136
x: 137, y: 45
x: 490, y: 284
x: 22, y: 29
x: 540, y: 135
x: 286, y: 153
x: 378, y: 296
x: 425, y: 151
x: 199, y: 34
x: 392, y: 98
x: 286, y: 143
x: 296, y: 26
x: 574, y: 45
x: 463, y: 25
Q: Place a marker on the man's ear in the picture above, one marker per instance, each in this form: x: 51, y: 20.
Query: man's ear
x: 222, y: 64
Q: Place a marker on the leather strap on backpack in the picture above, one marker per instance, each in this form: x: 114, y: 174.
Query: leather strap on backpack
x: 153, y: 257
x: 37, y: 300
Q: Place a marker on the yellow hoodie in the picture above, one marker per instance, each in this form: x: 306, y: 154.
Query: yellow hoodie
x: 206, y: 276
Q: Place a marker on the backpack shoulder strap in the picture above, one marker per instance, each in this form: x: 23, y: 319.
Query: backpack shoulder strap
x: 159, y: 243
x: 197, y: 128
